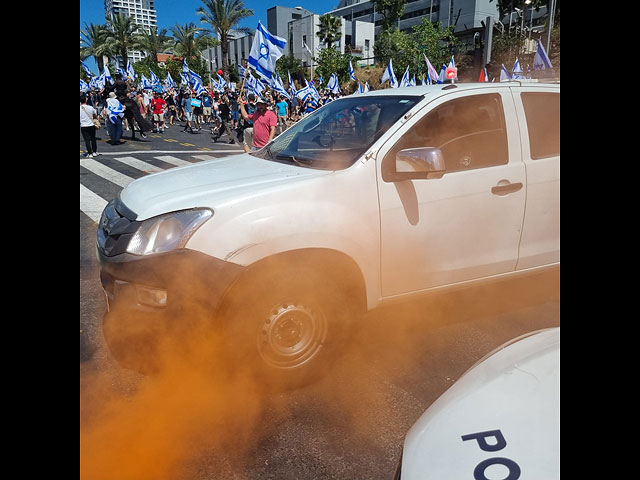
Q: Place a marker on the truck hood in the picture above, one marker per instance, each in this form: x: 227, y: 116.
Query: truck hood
x: 505, y: 407
x: 208, y: 183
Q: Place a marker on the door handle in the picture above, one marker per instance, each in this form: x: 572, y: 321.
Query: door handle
x: 505, y: 188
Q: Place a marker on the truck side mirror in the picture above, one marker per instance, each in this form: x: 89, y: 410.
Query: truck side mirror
x: 415, y: 163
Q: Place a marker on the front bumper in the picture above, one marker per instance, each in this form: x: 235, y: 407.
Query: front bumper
x: 135, y: 326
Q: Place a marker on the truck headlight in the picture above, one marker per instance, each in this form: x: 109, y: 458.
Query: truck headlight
x: 167, y: 232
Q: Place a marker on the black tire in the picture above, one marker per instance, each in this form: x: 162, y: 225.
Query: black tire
x: 287, y: 327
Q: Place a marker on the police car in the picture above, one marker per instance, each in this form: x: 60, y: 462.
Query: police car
x: 499, y: 421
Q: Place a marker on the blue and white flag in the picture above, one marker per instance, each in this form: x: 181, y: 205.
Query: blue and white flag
x: 265, y: 51
x: 504, y: 74
x: 517, y: 70
x: 222, y: 82
x: 154, y: 78
x: 169, y: 82
x: 86, y: 70
x: 541, y: 60
x: 389, y: 75
x: 292, y: 87
x: 405, y: 82
x: 145, y: 83
x: 431, y: 72
x: 106, y: 74
x: 442, y: 76
x: 366, y: 86
x: 452, y: 64
x: 114, y: 109
x: 130, y: 72
x: 241, y: 71
x: 333, y: 84
x: 352, y: 74
x: 122, y: 73
x: 84, y: 87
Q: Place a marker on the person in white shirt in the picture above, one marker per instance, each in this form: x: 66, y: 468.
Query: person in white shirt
x: 87, y: 128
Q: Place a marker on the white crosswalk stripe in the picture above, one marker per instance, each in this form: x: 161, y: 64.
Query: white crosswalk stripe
x: 106, y: 172
x: 91, y: 204
x: 139, y: 164
x: 173, y: 160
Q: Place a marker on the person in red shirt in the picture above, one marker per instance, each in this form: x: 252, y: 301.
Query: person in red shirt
x: 264, y: 122
x: 158, y: 106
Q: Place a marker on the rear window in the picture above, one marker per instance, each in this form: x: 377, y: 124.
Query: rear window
x: 542, y: 111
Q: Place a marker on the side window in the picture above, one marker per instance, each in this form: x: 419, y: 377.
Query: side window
x: 470, y: 131
x: 542, y: 111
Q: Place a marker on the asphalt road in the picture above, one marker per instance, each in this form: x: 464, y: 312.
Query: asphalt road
x: 349, y: 425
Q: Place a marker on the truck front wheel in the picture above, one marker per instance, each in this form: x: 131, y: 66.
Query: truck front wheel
x: 287, y: 326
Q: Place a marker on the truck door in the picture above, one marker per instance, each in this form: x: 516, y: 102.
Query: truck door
x: 539, y: 114
x: 465, y: 225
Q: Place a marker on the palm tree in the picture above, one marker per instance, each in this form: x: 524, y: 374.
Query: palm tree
x: 121, y: 34
x: 152, y: 43
x: 329, y: 29
x: 94, y: 43
x: 190, y: 40
x: 223, y: 16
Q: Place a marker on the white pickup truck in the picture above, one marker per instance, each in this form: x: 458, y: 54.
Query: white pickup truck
x: 373, y: 198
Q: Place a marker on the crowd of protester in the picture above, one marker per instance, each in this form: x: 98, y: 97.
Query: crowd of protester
x: 244, y: 119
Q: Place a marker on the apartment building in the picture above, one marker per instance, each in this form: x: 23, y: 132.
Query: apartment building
x: 143, y: 13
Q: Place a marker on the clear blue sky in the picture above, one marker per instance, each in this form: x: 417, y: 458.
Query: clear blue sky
x: 172, y: 12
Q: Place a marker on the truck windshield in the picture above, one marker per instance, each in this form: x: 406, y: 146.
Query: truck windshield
x: 336, y: 135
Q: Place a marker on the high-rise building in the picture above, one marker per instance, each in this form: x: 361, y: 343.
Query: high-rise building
x: 143, y: 13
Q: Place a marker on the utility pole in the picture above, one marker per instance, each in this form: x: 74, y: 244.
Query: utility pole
x: 552, y: 9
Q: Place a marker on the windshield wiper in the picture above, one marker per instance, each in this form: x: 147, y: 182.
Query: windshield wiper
x: 303, y: 162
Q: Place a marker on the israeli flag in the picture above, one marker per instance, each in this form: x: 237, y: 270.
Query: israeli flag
x: 517, y: 70
x: 333, y: 84
x: 504, y: 74
x: 441, y: 77
x: 169, y: 82
x: 265, y: 51
x: 366, y: 86
x: 114, y: 109
x: 291, y: 85
x: 389, y: 75
x: 106, y: 74
x: 130, y: 72
x: 405, y: 82
x: 154, y: 78
x: 303, y: 93
x: 222, y: 82
x: 541, y: 60
x: 122, y: 73
x: 241, y: 71
x: 84, y: 86
x: 86, y: 70
x: 145, y: 83
x: 352, y: 74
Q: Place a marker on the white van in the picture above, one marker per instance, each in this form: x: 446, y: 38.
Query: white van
x: 373, y: 198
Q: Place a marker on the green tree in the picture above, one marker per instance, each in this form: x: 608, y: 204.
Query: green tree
x: 94, y: 43
x: 329, y: 32
x: 223, y: 16
x: 190, y: 40
x: 152, y: 43
x: 409, y: 49
x: 288, y: 64
x: 330, y: 60
x: 121, y: 31
x: 391, y: 11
